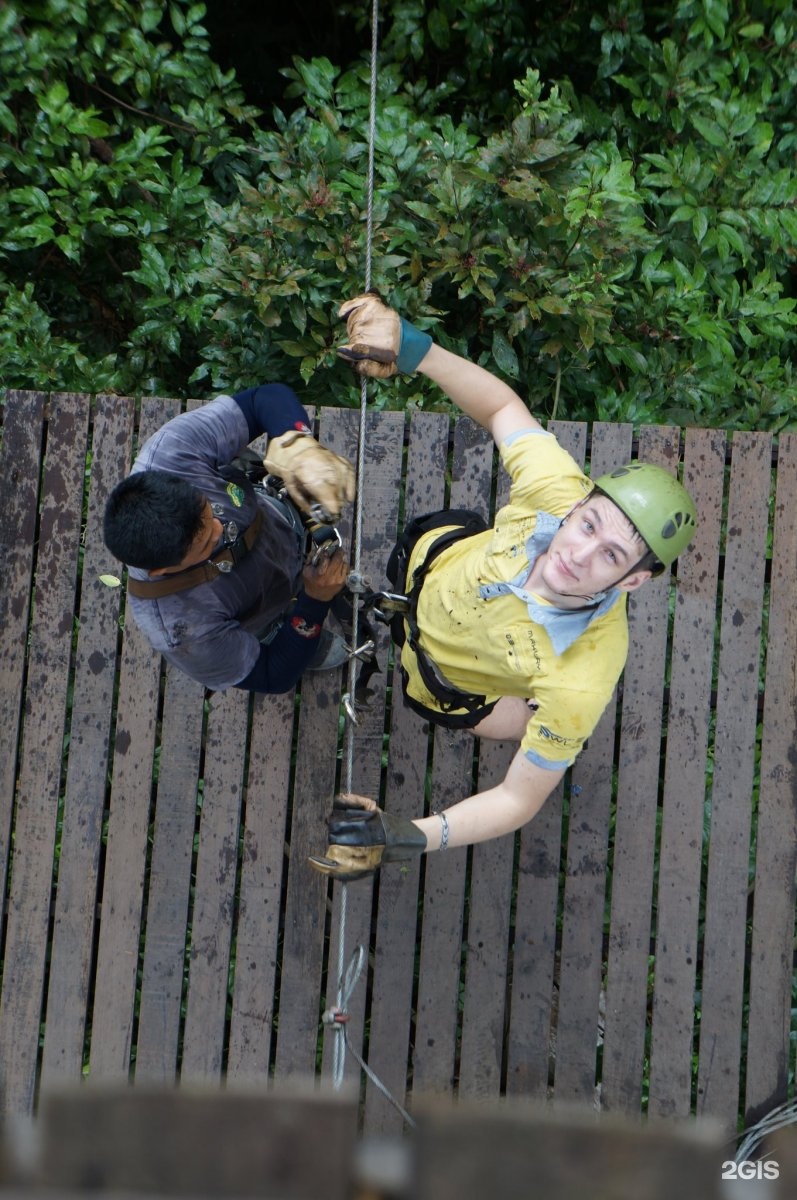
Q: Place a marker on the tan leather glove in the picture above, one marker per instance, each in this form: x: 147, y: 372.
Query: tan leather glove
x: 318, y: 481
x: 380, y: 342
x: 374, y: 333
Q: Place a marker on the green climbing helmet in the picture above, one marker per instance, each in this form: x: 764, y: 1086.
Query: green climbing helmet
x: 655, y: 502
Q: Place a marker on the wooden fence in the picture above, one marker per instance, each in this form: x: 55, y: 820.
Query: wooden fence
x: 632, y: 947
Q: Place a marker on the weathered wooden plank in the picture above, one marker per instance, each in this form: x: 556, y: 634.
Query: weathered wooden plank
x: 394, y: 943
x: 731, y: 793
x: 262, y: 867
x: 635, y: 826
x: 683, y: 800
x: 362, y: 746
x: 534, y: 951
x: 478, y: 1150
x: 170, y: 871
x: 39, y: 785
x: 232, y: 1143
x: 589, y: 799
x: 20, y: 457
x: 89, y: 732
x: 305, y: 902
x: 489, y: 914
x: 213, y: 911
x: 123, y: 880
x: 315, y: 779
x: 768, y: 1047
x: 434, y: 1063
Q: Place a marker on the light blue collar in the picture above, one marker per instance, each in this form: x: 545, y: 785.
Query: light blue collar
x: 563, y: 625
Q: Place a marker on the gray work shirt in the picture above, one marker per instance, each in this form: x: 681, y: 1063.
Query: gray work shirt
x: 209, y: 631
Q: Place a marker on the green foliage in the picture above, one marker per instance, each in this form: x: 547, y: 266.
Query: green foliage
x: 117, y: 131
x: 600, y: 205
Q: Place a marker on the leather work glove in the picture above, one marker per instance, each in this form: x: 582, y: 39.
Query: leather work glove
x: 318, y: 481
x: 362, y: 837
x: 381, y: 343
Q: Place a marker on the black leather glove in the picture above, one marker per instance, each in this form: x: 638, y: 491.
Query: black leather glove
x: 361, y: 839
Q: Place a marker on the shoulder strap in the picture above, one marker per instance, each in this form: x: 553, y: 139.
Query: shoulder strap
x: 221, y: 563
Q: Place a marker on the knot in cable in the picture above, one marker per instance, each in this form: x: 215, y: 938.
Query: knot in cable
x: 335, y: 1016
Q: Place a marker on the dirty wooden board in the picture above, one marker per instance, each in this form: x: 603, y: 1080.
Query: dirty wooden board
x: 263, y: 862
x: 683, y: 797
x: 86, y: 782
x: 198, y: 1141
x: 731, y: 794
x: 19, y: 479
x: 263, y: 867
x: 394, y: 943
x: 768, y: 1046
x: 306, y: 917
x: 489, y: 914
x: 362, y: 745
x: 530, y: 1033
x: 213, y: 910
x: 39, y: 783
x: 635, y: 832
x: 123, y: 881
x: 434, y: 1061
x: 589, y: 799
x: 167, y: 908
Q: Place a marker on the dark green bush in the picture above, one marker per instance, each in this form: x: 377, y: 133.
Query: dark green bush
x: 612, y: 225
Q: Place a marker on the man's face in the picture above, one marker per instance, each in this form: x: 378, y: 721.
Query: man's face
x: 202, y: 546
x: 593, y: 549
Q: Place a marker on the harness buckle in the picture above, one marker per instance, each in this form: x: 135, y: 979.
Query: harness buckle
x: 386, y: 605
x: 325, y: 541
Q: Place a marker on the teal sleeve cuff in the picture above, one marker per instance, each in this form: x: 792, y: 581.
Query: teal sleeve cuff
x: 413, y: 347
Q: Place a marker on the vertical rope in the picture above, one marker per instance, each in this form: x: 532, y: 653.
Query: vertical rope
x: 339, y: 1056
x: 348, y: 977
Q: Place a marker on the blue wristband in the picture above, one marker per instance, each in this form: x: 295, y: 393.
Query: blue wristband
x: 413, y: 347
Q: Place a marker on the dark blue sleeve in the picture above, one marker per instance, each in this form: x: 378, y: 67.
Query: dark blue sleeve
x: 291, y: 651
x: 272, y: 408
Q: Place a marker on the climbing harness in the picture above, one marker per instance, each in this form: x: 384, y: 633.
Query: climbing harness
x: 336, y: 1018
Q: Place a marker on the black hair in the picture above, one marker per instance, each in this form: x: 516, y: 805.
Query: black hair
x: 152, y: 518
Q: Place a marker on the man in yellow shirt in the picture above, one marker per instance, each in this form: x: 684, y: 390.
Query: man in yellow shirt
x: 517, y: 632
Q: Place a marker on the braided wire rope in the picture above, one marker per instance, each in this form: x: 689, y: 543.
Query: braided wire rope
x: 348, y: 977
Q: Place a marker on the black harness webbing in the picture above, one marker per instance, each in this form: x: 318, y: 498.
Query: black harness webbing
x: 464, y: 523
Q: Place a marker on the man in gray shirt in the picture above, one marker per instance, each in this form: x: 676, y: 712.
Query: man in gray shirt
x: 217, y: 574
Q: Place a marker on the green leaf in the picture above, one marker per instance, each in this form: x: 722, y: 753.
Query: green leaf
x: 7, y: 119
x: 177, y: 19
x: 32, y: 199
x: 294, y: 349
x: 710, y: 130
x: 553, y: 304
x: 504, y: 356
x: 734, y: 239
x: 55, y: 97
x: 700, y: 224
x: 439, y: 30
x: 629, y: 83
x: 684, y: 212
